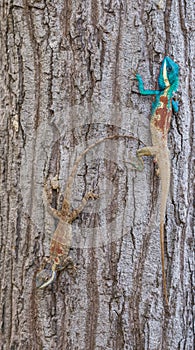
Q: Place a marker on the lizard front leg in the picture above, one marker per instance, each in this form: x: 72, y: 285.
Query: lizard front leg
x: 89, y: 195
x: 141, y: 87
x: 58, y: 214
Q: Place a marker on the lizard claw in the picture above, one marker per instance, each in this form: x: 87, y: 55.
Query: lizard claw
x: 92, y: 195
x: 157, y: 172
x: 134, y: 71
x: 136, y: 163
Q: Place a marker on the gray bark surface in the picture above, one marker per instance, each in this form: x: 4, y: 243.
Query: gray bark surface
x: 67, y: 79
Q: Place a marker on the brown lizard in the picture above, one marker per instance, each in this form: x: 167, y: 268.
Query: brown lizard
x: 61, y: 240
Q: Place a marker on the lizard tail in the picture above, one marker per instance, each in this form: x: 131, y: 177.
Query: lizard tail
x: 163, y: 261
x: 164, y: 167
x: 68, y: 189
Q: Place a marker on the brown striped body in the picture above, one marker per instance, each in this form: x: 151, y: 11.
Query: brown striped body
x: 61, y: 240
x: 60, y: 243
x: 162, y: 117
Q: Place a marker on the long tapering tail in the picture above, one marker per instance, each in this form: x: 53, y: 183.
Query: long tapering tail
x: 163, y: 261
x: 67, y: 194
x: 164, y: 167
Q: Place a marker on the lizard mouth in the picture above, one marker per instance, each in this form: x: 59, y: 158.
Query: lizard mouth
x: 166, y: 80
x: 45, y: 277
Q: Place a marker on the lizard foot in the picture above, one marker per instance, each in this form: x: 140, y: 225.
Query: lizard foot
x: 137, y: 164
x: 91, y: 195
x: 69, y: 265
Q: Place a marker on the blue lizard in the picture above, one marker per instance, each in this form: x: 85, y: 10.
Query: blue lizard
x: 162, y: 107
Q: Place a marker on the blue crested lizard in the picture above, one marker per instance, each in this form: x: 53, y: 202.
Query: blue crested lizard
x: 162, y: 107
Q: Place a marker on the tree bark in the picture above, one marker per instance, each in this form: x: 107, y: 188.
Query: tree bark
x: 67, y: 79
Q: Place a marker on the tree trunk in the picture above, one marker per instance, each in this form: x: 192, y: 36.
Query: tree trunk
x: 67, y: 79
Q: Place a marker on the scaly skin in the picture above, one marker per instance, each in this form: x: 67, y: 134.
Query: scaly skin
x: 61, y: 240
x: 159, y: 125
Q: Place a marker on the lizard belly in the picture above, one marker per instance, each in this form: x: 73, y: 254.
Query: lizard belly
x: 158, y: 141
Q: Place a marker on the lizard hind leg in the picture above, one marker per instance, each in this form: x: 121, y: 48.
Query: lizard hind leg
x: 69, y: 265
x: 58, y: 214
x: 145, y: 151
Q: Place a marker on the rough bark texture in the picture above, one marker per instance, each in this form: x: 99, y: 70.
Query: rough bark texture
x: 67, y: 78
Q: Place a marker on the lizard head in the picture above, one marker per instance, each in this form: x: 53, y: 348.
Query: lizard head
x: 46, y: 276
x: 169, y: 74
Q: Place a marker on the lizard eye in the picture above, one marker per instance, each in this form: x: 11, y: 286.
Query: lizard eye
x: 169, y: 69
